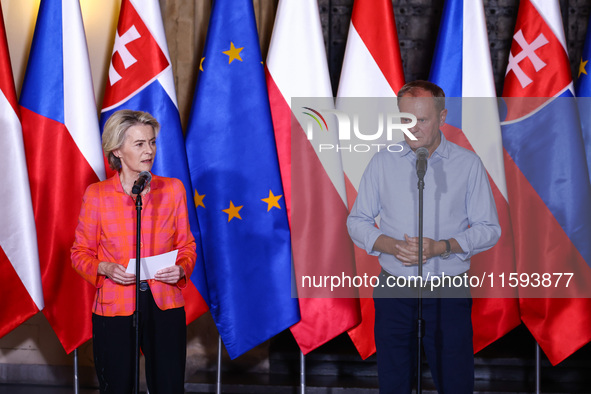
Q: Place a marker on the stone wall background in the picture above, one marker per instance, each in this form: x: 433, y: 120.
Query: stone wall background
x: 417, y: 24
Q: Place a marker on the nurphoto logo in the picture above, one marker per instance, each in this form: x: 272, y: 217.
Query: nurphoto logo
x: 350, y: 135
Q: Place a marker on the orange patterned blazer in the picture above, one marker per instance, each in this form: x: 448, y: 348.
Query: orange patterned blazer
x: 106, y: 231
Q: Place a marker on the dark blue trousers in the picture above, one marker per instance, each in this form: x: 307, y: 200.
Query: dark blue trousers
x: 447, y: 341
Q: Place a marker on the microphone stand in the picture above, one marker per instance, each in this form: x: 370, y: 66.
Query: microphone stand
x: 420, y: 321
x: 138, y: 207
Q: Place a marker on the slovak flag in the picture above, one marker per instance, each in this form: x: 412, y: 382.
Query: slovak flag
x: 372, y: 69
x: 63, y: 150
x: 462, y: 68
x: 313, y: 182
x: 547, y: 182
x: 140, y: 79
x: 20, y: 283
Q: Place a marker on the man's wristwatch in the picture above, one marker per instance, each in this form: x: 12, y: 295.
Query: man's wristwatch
x: 447, y: 252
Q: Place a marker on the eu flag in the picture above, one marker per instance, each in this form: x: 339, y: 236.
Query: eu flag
x: 238, y: 193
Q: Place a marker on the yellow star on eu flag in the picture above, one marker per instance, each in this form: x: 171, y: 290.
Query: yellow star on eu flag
x: 582, y: 67
x: 233, y: 53
x: 199, y: 199
x: 272, y: 201
x: 201, y: 63
x: 232, y: 211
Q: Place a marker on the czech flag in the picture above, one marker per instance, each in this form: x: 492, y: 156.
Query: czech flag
x: 462, y: 68
x: 63, y: 149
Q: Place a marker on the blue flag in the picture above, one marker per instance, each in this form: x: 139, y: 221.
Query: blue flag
x: 238, y: 192
x: 583, y: 92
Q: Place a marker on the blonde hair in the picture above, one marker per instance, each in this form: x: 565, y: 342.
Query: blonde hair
x: 116, y: 128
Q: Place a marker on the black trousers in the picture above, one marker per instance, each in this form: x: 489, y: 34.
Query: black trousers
x: 163, y: 341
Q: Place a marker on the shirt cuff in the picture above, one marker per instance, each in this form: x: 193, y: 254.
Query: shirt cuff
x: 182, y: 283
x: 370, y: 241
x: 465, y: 245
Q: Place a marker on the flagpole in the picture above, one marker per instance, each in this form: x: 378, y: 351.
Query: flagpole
x: 538, y: 369
x: 218, y: 389
x: 76, y: 382
x: 302, y: 373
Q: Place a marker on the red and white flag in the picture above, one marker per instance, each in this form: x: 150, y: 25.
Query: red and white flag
x: 20, y: 288
x: 63, y: 149
x: 313, y: 180
x: 372, y: 68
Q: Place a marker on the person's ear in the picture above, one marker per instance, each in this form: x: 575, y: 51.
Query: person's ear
x: 442, y: 116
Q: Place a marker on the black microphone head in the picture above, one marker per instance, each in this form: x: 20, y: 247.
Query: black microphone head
x: 148, y: 176
x: 422, y: 153
x: 143, y: 180
x: 421, y: 164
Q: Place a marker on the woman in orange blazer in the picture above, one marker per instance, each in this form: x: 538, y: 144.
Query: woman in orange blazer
x: 106, y: 241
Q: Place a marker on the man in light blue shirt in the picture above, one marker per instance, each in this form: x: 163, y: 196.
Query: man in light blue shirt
x: 460, y: 220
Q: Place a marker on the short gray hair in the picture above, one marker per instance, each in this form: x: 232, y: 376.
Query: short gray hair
x: 438, y: 94
x: 116, y: 128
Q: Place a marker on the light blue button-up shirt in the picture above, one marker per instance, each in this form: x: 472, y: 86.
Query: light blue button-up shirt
x: 457, y: 203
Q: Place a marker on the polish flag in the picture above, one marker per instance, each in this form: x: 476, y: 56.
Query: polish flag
x: 63, y: 149
x: 20, y: 291
x: 372, y: 69
x: 313, y: 181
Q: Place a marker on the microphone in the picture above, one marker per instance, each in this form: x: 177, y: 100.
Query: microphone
x: 142, y: 181
x: 422, y: 154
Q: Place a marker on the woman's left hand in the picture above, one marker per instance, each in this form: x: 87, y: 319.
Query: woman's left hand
x: 170, y: 275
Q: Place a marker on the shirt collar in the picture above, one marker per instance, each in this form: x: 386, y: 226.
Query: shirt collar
x: 442, y: 150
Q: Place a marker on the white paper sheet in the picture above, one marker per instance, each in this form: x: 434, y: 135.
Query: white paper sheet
x: 150, y: 265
